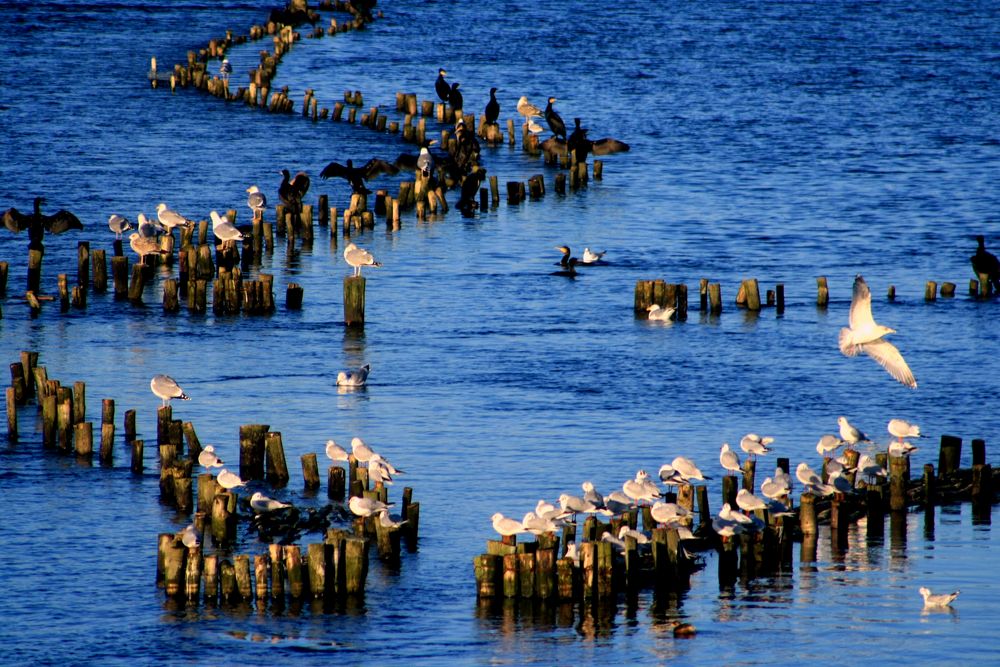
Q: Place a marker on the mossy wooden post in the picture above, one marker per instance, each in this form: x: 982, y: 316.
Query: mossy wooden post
x: 317, y: 558
x: 526, y: 574
x: 511, y: 580
x: 929, y: 485
x: 223, y: 521
x: 822, y: 292
x: 807, y: 513
x: 64, y: 422
x: 162, y: 542
x: 18, y: 383
x: 487, y: 570
x: 34, y: 270
x: 79, y: 402
x: 950, y: 455
x: 129, y: 420
x: 336, y: 486
x: 208, y: 488
x: 898, y: 479
x: 62, y: 285
x: 210, y: 569
x: 83, y: 439
x: 715, y: 298
x: 930, y: 291
x: 277, y: 468
x: 174, y: 568
x: 729, y: 484
x: 11, y: 415
x: 354, y: 301
x: 136, y: 285
x: 752, y: 291
x: 356, y: 565
x: 119, y: 276
x: 49, y: 420
x: 605, y: 569
x: 192, y: 574
x: 588, y: 568
x: 29, y: 362
x: 545, y: 572
x: 252, y: 450
x: 643, y: 298
x: 310, y: 471
x: 276, y: 556
x: 136, y: 466
x: 241, y: 571
x: 704, y: 511
x: 567, y: 580
x: 227, y: 581
x: 749, y: 474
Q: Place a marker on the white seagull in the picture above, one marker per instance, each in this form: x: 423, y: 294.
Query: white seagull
x: 641, y: 488
x: 864, y: 335
x: 591, y: 257
x: 358, y: 257
x: 687, y: 469
x: 774, y: 490
x: 261, y: 503
x: 390, y: 521
x: 754, y: 445
x: 366, y: 507
x: 748, y: 502
x: 165, y: 388
x: 657, y: 312
x: 939, y: 600
x: 208, y: 459
x: 229, y: 480
x: 576, y: 505
x: 813, y: 482
x: 527, y: 109
x: 506, y: 526
x: 335, y: 452
x: 851, y: 434
x: 901, y: 448
x: 668, y: 512
x: 145, y: 245
x: 119, y: 224
x: 353, y: 379
x: 729, y: 459
x: 170, y: 218
x: 149, y: 228
x: 362, y: 452
x: 256, y: 201
x: 900, y: 428
x: 223, y: 230
x: 189, y: 536
x: 827, y: 444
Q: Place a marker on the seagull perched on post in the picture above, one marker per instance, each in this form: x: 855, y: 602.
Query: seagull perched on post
x: 166, y: 388
x: 864, y: 335
x: 256, y: 201
x: 358, y: 257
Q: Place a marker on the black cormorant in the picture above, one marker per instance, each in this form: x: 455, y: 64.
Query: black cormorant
x: 985, y: 262
x: 554, y: 120
x: 441, y: 86
x: 357, y: 176
x: 492, y: 107
x: 455, y: 97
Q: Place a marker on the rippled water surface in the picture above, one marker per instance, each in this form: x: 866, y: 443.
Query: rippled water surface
x: 781, y: 141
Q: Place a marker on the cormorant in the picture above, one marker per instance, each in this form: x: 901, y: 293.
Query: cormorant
x: 37, y: 224
x: 292, y: 190
x: 986, y: 262
x: 441, y: 86
x: 554, y: 120
x: 470, y: 190
x: 455, y: 97
x: 492, y: 107
x: 357, y: 176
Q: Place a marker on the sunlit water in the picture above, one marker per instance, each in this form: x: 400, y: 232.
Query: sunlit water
x: 780, y: 141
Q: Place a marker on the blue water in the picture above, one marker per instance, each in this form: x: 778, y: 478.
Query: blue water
x: 781, y: 141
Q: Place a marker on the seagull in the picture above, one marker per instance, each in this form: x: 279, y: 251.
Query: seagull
x: 748, y: 502
x: 366, y: 507
x: 851, y: 434
x: 149, y: 228
x: 828, y: 443
x: 869, y: 468
x: 755, y: 445
x: 229, y: 480
x: 590, y: 494
x: 527, y: 109
x: 625, y: 531
x: 534, y: 127
x: 358, y: 257
x: 223, y: 230
x: 813, y: 483
x: 726, y: 513
x: 726, y: 526
x: 576, y: 505
x: 901, y: 448
x: 356, y: 378
x: 900, y: 428
x: 591, y: 257
x: 618, y: 544
x: 189, y: 536
x: 659, y: 313
x: 425, y: 162
x: 728, y: 458
x: 687, y: 469
x: 641, y: 488
x: 335, y: 452
x: 864, y: 335
x: 390, y: 521
x: 773, y: 490
x: 261, y: 503
x: 378, y: 471
x: 666, y: 512
x: 546, y: 510
x: 538, y: 525
x: 143, y: 245
x: 166, y: 389
x: 170, y: 218
x: 119, y: 224
x: 256, y: 201
x: 670, y: 476
x: 505, y: 526
x: 840, y: 483
x: 208, y: 459
x: 939, y: 600
x: 617, y: 503
x: 225, y: 68
x: 362, y: 452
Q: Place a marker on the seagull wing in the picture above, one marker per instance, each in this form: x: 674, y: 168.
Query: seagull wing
x: 861, y: 306
x: 886, y: 354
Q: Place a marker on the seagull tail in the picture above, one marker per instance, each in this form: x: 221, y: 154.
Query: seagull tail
x: 184, y: 397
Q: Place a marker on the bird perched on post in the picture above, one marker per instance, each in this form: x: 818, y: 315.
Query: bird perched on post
x: 37, y: 224
x: 119, y: 224
x: 145, y: 245
x: 527, y: 109
x: 986, y: 263
x: 358, y: 257
x: 170, y: 218
x: 470, y: 189
x: 492, y: 111
x: 256, y: 201
x: 225, y: 68
x: 223, y: 230
x: 441, y: 86
x: 166, y: 388
x: 455, y: 98
x: 555, y: 121
x: 292, y: 190
x: 357, y: 176
x: 863, y: 334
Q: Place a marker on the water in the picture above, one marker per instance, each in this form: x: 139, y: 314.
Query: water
x: 773, y: 140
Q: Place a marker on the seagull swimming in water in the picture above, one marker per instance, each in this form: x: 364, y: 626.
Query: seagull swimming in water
x: 864, y: 335
x: 354, y: 379
x: 659, y: 313
x: 939, y: 600
x: 166, y: 388
x: 591, y: 257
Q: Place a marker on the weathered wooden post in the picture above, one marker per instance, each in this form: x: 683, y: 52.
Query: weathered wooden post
x: 354, y: 301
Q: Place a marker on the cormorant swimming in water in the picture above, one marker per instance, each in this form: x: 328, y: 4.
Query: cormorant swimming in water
x: 555, y: 121
x: 455, y: 97
x: 492, y: 107
x: 441, y: 86
x: 986, y: 262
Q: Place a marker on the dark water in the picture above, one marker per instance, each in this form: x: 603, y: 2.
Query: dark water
x: 780, y: 141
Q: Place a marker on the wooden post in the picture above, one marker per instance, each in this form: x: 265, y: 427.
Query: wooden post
x: 318, y: 557
x: 310, y: 471
x: 930, y: 291
x: 715, y: 298
x: 752, y: 291
x: 749, y: 474
x: 978, y: 451
x: 277, y: 468
x: 174, y: 568
x: 252, y: 450
x: 293, y: 296
x: 807, y: 513
x: 356, y: 567
x: 223, y: 521
x: 11, y: 415
x: 83, y: 264
x: 192, y: 574
x: 729, y: 483
x: 136, y: 285
x: 950, y: 455
x: 34, y: 270
x: 335, y: 483
x: 100, y: 267
x: 83, y: 439
x: 210, y: 567
x: 822, y: 292
x: 261, y: 570
x: 354, y: 301
x: 487, y: 569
